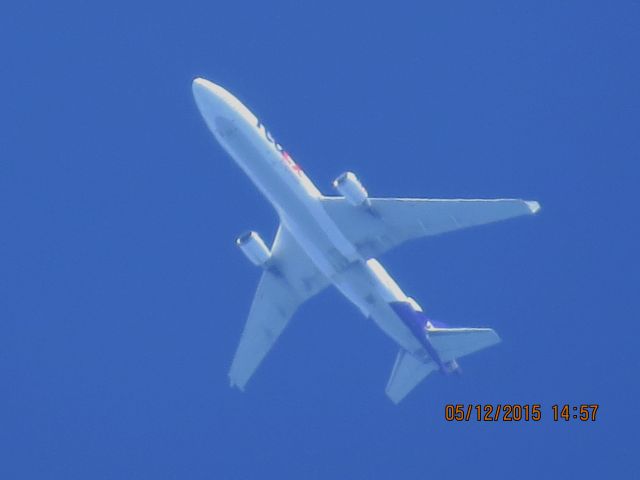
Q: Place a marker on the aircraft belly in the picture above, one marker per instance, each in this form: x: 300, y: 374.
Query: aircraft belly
x: 365, y: 291
x: 301, y: 212
x: 254, y: 157
x: 315, y: 231
x: 392, y: 325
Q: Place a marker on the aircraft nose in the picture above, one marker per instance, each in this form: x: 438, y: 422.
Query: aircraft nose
x: 204, y: 93
x: 198, y: 84
x: 214, y: 102
x: 201, y: 85
x: 205, y: 89
x: 211, y: 101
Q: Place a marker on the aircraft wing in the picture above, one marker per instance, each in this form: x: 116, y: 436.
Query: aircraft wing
x: 290, y: 279
x: 388, y: 222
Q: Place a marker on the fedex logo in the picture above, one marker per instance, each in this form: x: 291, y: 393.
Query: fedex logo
x: 285, y: 156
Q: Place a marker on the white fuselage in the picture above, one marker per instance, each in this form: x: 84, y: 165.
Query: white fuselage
x: 297, y: 201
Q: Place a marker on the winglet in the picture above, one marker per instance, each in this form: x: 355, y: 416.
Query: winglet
x: 234, y: 384
x: 534, y: 206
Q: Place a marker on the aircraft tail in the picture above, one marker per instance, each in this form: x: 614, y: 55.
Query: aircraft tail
x: 453, y: 343
x: 408, y: 371
x: 450, y: 343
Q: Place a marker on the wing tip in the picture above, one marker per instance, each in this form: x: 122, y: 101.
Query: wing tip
x: 235, y: 383
x: 534, y: 207
x: 395, y: 398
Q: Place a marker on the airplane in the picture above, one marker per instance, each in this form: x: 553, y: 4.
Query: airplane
x: 334, y: 240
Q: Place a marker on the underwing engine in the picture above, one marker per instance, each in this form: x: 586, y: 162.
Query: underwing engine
x: 254, y: 248
x: 350, y: 187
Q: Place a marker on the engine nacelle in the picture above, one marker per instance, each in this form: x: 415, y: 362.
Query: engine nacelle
x: 350, y: 187
x: 452, y: 367
x: 254, y: 248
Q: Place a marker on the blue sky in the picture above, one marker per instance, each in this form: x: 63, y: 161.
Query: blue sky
x: 122, y: 294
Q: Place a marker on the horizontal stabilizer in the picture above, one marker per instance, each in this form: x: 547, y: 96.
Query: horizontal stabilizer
x: 449, y: 343
x: 452, y: 343
x: 408, y: 371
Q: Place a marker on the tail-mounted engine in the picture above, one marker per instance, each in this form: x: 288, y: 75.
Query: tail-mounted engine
x: 350, y: 187
x: 254, y: 248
